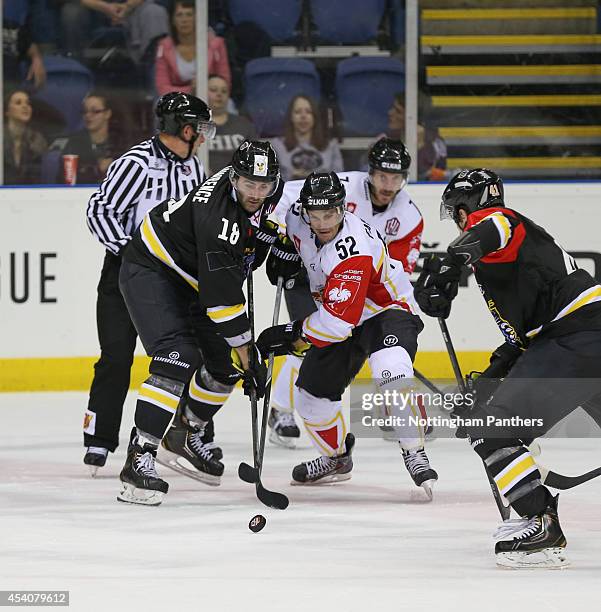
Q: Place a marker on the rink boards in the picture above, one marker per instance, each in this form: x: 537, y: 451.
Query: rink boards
x: 50, y: 265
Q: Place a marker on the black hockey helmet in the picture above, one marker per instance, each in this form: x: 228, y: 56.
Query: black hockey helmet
x: 322, y: 191
x: 471, y: 190
x: 176, y: 109
x: 388, y: 155
x: 256, y: 160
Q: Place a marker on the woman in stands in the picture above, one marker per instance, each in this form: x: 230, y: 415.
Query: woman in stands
x: 304, y: 148
x: 176, y: 54
x: 23, y: 146
x: 95, y: 144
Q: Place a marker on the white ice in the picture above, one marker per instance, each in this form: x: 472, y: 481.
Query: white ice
x: 369, y: 544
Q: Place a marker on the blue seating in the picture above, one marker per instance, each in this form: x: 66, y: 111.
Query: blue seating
x: 67, y: 83
x: 270, y: 85
x: 277, y: 17
x: 15, y: 11
x: 347, y: 21
x: 365, y: 88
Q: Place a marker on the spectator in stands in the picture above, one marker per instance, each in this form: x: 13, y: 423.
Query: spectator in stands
x: 304, y: 147
x: 232, y: 129
x: 23, y: 146
x: 18, y: 46
x: 431, y: 148
x: 176, y: 54
x: 95, y: 145
x: 144, y: 21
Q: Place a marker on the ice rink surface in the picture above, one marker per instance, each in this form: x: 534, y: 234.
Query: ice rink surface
x: 366, y: 545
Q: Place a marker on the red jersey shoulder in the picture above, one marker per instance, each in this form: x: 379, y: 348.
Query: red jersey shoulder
x: 510, y: 251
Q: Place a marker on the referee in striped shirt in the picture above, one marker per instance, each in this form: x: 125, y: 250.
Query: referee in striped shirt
x: 155, y: 170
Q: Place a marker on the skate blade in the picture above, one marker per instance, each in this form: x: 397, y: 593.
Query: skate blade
x: 428, y: 487
x: 144, y: 497
x: 549, y: 558
x: 282, y: 441
x: 93, y: 470
x: 333, y: 479
x: 183, y: 466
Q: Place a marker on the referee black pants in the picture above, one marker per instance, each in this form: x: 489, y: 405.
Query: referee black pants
x: 117, y: 336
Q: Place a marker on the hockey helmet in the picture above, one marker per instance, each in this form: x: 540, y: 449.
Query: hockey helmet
x: 388, y: 155
x: 322, y: 191
x: 257, y: 161
x: 176, y: 109
x: 471, y: 190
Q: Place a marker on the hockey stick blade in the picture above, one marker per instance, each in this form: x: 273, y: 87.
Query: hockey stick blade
x: 272, y: 499
x: 561, y: 482
x: 248, y: 473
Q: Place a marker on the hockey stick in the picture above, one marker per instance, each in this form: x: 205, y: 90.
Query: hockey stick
x: 266, y: 400
x: 561, y: 482
x: 504, y: 511
x: 245, y: 471
x: 272, y: 499
x: 427, y: 383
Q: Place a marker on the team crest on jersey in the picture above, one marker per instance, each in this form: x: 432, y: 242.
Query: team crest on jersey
x: 340, y: 295
x: 351, y: 207
x: 392, y: 226
x: 511, y: 335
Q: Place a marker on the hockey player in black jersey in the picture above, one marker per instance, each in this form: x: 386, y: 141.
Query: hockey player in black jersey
x: 549, y: 312
x: 190, y: 257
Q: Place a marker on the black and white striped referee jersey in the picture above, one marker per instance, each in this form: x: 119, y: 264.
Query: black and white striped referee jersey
x: 136, y: 182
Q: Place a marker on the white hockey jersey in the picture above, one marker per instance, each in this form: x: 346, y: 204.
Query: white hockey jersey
x: 352, y: 278
x: 400, y: 224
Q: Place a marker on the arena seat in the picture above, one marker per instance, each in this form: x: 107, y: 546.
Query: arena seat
x: 347, y: 21
x: 365, y: 89
x: 67, y: 83
x: 277, y: 18
x: 270, y: 85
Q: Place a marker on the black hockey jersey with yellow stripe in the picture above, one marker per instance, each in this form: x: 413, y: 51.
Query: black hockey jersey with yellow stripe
x: 531, y: 285
x: 207, y: 241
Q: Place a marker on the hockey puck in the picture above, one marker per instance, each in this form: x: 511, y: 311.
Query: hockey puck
x: 257, y: 523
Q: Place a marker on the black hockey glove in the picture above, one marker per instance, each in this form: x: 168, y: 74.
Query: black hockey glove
x: 255, y: 377
x: 437, y: 286
x: 284, y: 261
x: 502, y: 360
x: 283, y: 340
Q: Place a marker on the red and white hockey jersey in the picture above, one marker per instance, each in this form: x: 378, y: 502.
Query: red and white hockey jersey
x: 352, y: 278
x: 400, y: 224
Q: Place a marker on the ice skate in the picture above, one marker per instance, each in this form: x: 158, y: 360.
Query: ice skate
x: 283, y: 429
x: 190, y: 450
x: 95, y: 458
x: 532, y: 543
x: 418, y: 466
x: 325, y: 469
x: 139, y: 479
